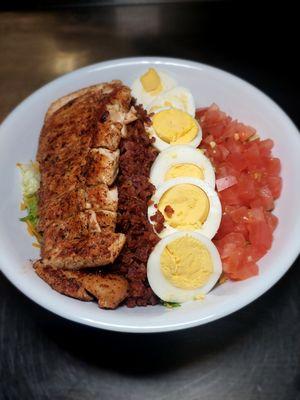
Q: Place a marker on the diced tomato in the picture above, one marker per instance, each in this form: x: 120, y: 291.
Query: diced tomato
x: 241, y: 228
x: 239, y: 214
x: 272, y: 220
x: 243, y: 132
x: 226, y: 169
x: 252, y: 156
x: 246, y: 133
x: 256, y: 203
x: 260, y: 235
x: 264, y: 199
x: 234, y: 146
x: 201, y: 111
x: 234, y: 260
x: 230, y: 196
x: 217, y: 153
x: 217, y: 130
x: 244, y: 271
x: 237, y: 160
x: 246, y: 188
x: 236, y: 239
x: 226, y: 226
x: 254, y: 253
x: 208, y: 139
x: 259, y: 202
x: 223, y: 151
x: 256, y: 215
x: 214, y: 154
x: 247, y: 225
x: 238, y: 267
x: 275, y: 185
x: 273, y: 166
x: 265, y: 147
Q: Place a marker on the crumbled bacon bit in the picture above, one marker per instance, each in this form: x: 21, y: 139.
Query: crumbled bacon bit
x: 150, y: 202
x: 169, y: 211
x: 159, y: 220
x: 135, y: 192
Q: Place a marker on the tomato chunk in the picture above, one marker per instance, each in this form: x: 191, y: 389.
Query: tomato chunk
x: 249, y: 182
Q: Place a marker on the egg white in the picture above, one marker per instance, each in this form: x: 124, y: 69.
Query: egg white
x: 161, y: 145
x: 178, y: 97
x: 181, y: 154
x: 210, y: 226
x: 163, y: 288
x: 145, y: 98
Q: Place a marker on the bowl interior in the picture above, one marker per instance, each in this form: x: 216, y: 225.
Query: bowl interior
x: 18, y: 142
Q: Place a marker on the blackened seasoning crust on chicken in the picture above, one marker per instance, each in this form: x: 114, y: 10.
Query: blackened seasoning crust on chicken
x: 78, y: 155
x: 109, y: 289
x: 136, y: 157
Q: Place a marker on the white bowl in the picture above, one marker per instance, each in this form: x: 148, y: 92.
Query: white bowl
x: 19, y: 135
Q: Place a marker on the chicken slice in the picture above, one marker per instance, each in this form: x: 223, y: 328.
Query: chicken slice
x: 64, y: 145
x: 111, y: 121
x: 108, y: 135
x: 54, y: 184
x: 99, y: 198
x: 77, y: 208
x: 109, y: 289
x: 83, y: 115
x: 94, y: 250
x: 75, y: 227
x: 106, y: 219
x: 101, y: 166
x: 65, y: 282
x: 104, y: 88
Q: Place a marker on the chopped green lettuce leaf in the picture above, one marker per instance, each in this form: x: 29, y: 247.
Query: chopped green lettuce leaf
x: 31, y: 205
x: 170, y: 304
x: 30, y: 185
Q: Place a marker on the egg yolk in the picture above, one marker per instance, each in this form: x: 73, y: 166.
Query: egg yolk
x: 175, y: 126
x: 184, y: 206
x: 151, y: 82
x: 186, y: 263
x: 183, y: 170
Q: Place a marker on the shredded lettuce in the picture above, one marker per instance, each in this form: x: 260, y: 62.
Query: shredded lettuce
x: 170, y: 304
x: 30, y: 185
x: 31, y: 205
x: 30, y: 178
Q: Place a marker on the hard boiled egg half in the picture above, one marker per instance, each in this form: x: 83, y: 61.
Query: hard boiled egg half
x: 181, y: 161
x: 179, y: 97
x: 183, y: 267
x: 150, y: 85
x: 172, y: 126
x: 186, y: 204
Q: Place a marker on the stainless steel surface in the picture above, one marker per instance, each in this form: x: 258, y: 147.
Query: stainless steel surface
x: 251, y: 355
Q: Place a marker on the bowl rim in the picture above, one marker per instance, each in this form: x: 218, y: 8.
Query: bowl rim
x: 231, y: 306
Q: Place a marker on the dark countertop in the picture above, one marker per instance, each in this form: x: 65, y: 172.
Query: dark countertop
x: 250, y: 355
